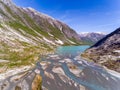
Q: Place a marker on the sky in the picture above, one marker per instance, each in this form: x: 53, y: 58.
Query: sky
x: 81, y: 15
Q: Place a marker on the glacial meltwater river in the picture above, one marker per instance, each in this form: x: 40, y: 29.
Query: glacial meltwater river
x: 65, y: 70
x: 91, y: 76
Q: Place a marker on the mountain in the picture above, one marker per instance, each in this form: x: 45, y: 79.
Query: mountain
x: 106, y: 51
x: 91, y: 38
x: 25, y: 33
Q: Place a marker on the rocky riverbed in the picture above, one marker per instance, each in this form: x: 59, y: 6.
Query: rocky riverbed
x: 61, y: 73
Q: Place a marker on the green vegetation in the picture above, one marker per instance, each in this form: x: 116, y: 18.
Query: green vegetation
x: 23, y: 53
x: 22, y: 56
x: 17, y: 26
x: 74, y: 40
x: 18, y: 88
x: 1, y: 25
x: 87, y: 42
x: 56, y: 32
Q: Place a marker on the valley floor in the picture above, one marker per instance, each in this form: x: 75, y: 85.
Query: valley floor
x: 60, y: 73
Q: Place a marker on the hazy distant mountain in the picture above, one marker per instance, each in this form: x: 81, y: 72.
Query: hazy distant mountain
x: 92, y: 37
x: 106, y: 51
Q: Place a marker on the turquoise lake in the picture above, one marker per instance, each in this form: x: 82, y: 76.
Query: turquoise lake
x: 71, y: 50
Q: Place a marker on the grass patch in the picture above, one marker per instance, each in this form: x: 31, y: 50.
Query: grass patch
x: 17, y: 26
x: 22, y: 56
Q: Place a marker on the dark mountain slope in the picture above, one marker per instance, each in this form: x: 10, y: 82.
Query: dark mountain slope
x: 106, y: 51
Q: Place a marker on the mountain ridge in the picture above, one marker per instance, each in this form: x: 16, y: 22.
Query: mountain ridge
x: 106, y: 51
x: 25, y: 30
x: 91, y: 37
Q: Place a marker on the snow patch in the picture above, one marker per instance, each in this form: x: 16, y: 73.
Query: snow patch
x: 71, y: 41
x: 50, y: 34
x: 59, y: 42
x: 13, y: 34
x: 49, y: 41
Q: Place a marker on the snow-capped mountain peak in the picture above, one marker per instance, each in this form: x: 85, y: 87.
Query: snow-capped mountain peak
x: 92, y: 37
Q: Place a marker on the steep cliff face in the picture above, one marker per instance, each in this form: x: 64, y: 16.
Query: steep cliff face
x: 25, y: 33
x: 91, y: 38
x: 106, y: 51
x: 35, y: 27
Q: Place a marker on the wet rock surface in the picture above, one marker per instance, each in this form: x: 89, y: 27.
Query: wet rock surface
x: 28, y: 80
x: 55, y: 72
x: 74, y: 73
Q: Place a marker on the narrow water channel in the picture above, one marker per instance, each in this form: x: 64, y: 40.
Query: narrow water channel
x: 91, y: 76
